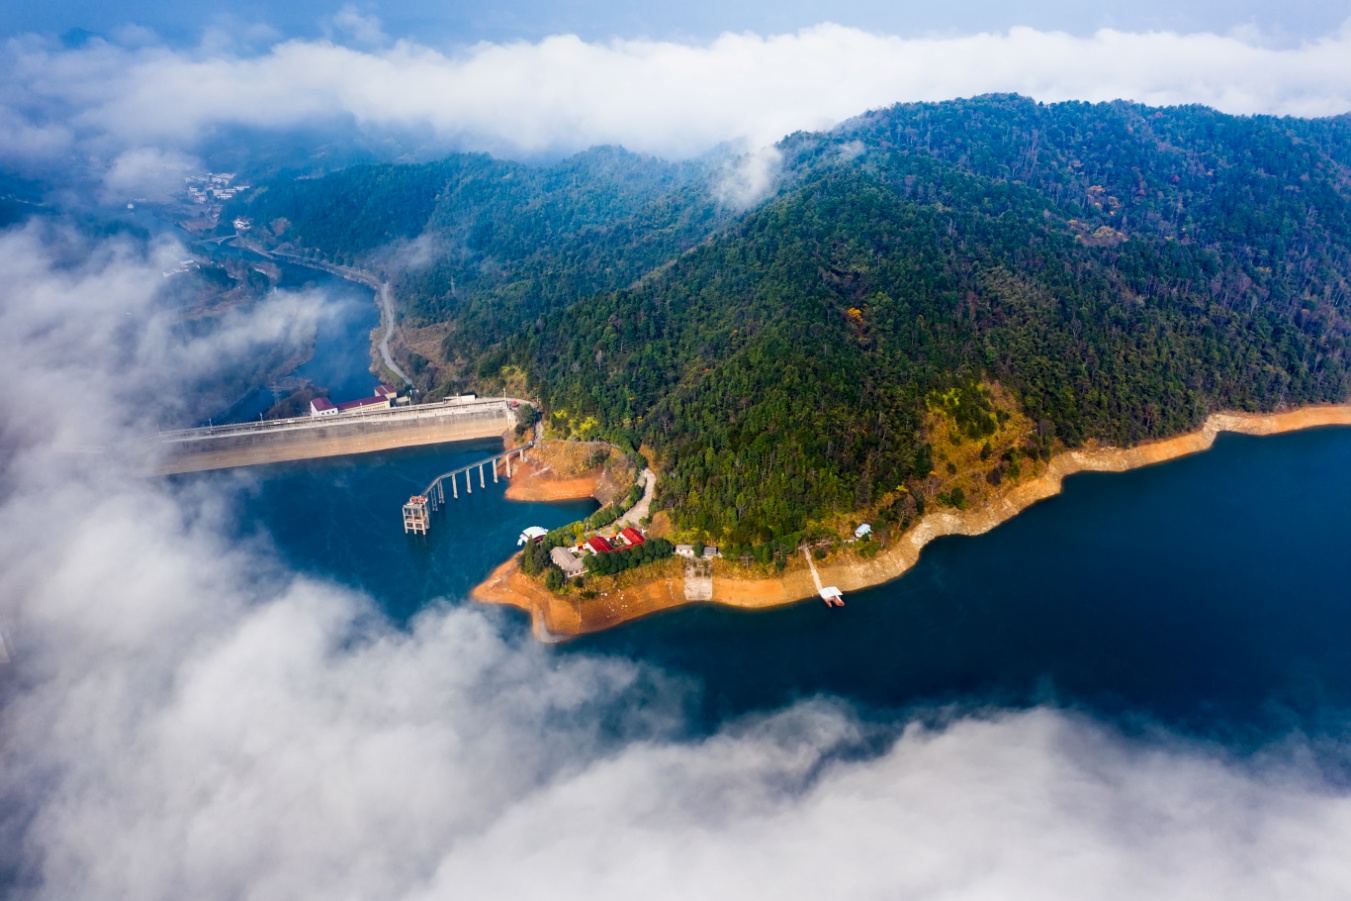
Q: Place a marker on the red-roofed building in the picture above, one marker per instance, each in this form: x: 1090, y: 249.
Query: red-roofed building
x: 599, y: 545
x: 386, y: 392
x: 350, y: 405
x: 322, y: 406
x: 632, y: 536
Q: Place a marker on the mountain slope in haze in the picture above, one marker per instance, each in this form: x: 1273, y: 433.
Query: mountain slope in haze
x: 485, y: 245
x: 938, y: 296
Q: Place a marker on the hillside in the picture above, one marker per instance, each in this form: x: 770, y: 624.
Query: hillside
x: 937, y: 297
x: 500, y: 242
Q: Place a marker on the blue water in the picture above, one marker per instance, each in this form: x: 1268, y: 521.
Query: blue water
x: 341, y: 518
x: 342, y: 344
x: 1210, y: 596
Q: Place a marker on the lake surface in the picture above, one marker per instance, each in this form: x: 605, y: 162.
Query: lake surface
x: 1211, y: 595
x: 341, y: 518
x: 342, y: 344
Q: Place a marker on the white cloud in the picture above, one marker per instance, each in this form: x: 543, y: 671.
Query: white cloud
x: 147, y: 172
x: 749, y: 177
x: 88, y: 324
x: 189, y: 719
x: 563, y: 93
x: 362, y: 29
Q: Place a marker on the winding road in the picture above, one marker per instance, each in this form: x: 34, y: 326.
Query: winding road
x: 387, y: 314
x: 383, y: 293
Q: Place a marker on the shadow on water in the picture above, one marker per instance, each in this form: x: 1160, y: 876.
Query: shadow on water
x: 1210, y: 595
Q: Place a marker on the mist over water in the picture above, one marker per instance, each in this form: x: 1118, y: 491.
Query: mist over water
x: 253, y: 684
x: 1209, y: 595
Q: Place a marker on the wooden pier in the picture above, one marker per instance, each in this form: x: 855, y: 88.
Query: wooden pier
x: 417, y: 513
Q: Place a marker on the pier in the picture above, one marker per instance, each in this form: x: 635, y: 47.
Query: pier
x: 829, y: 593
x: 417, y: 513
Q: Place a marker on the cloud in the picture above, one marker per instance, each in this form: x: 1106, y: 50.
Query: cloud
x: 362, y: 29
x: 188, y: 718
x: 748, y: 178
x: 147, y: 172
x: 563, y: 94
x: 92, y: 324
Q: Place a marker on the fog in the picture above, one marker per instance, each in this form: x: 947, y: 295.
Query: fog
x: 140, y: 109
x: 186, y: 717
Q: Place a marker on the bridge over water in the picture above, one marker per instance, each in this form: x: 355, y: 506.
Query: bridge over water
x: 417, y: 513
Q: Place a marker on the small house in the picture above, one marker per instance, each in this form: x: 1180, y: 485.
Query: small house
x: 567, y: 561
x: 632, y: 536
x: 599, y: 545
x: 863, y: 531
x: 322, y: 406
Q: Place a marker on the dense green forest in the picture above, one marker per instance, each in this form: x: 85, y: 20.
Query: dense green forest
x: 502, y: 241
x: 1120, y: 270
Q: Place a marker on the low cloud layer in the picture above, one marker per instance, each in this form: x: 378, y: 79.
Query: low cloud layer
x: 564, y: 94
x: 187, y: 718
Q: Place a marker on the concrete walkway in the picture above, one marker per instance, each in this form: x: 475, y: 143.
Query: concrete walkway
x: 639, y: 510
x: 806, y: 552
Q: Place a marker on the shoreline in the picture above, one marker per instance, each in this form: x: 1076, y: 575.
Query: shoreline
x: 555, y: 617
x: 533, y: 483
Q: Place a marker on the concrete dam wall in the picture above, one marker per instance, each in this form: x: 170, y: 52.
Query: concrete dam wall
x: 205, y: 450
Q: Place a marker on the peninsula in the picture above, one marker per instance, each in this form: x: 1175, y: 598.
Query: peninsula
x: 555, y: 616
x: 931, y: 315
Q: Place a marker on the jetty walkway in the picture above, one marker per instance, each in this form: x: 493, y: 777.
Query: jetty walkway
x: 417, y: 513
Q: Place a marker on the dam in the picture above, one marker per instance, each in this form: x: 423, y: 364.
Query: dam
x: 306, y: 438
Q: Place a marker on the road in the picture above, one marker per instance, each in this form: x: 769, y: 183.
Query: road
x: 383, y: 293
x: 387, y: 312
x: 639, y: 510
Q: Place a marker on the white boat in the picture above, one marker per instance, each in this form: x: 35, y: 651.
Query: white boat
x: 531, y: 533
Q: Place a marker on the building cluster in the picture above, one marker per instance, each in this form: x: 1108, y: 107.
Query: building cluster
x: 218, y: 186
x: 570, y: 560
x: 183, y: 266
x: 385, y: 396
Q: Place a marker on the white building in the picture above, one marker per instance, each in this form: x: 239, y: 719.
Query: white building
x: 567, y: 561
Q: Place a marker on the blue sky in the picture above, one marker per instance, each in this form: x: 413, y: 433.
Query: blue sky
x: 445, y: 23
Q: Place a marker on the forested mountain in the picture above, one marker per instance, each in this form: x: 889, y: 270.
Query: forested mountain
x: 503, y: 241
x: 1118, y: 271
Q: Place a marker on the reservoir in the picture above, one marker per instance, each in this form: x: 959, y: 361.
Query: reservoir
x: 342, y: 341
x: 1210, y: 595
